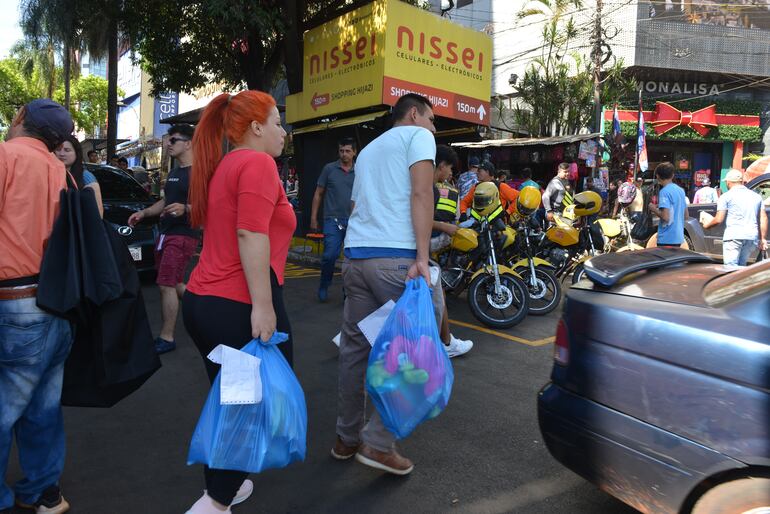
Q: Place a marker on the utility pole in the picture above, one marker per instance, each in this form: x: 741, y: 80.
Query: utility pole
x: 597, y: 57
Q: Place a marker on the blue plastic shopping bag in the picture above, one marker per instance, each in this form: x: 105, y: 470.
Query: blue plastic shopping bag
x: 259, y: 436
x: 409, y: 377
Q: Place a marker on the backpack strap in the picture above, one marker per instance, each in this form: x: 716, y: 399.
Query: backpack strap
x: 71, y: 183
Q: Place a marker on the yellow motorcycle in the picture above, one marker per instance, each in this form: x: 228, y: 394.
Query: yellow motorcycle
x: 572, y: 239
x: 618, y: 232
x: 538, y: 274
x: 497, y: 295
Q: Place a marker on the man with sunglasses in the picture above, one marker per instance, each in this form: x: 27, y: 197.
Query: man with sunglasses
x: 178, y: 241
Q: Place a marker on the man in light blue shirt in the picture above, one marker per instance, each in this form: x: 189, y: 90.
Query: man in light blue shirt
x: 746, y: 221
x: 671, y: 208
x: 387, y: 242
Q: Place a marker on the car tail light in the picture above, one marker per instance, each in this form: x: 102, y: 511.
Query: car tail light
x: 561, y: 345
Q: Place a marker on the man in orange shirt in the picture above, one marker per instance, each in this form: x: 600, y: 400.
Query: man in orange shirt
x: 508, y: 195
x: 33, y: 344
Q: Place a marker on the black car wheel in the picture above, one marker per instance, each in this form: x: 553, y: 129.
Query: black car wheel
x: 744, y: 496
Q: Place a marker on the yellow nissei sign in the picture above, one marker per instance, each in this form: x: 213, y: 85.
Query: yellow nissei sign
x: 375, y: 54
x: 343, y: 65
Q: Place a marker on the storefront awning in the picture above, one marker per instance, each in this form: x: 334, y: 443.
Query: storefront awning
x: 341, y: 122
x: 528, y: 141
x: 98, y: 143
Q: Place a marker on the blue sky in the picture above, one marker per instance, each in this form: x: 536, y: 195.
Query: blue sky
x: 9, y: 26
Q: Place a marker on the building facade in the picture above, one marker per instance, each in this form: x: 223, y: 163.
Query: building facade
x: 706, y: 55
x: 140, y: 116
x: 703, y: 66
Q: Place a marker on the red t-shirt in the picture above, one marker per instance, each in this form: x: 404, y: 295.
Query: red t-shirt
x: 244, y: 193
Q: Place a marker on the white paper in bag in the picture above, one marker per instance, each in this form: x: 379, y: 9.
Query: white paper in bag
x: 371, y: 326
x: 239, y: 379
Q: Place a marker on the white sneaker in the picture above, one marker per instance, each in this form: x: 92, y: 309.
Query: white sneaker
x: 205, y: 505
x: 247, y: 487
x: 243, y: 494
x: 457, y: 346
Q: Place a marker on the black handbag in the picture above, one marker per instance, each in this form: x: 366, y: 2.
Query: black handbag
x: 88, y: 277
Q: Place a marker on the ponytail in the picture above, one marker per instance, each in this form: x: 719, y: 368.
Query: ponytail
x: 207, y: 152
x: 224, y: 116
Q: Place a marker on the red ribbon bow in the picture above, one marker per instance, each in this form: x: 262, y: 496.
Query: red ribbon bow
x: 668, y: 117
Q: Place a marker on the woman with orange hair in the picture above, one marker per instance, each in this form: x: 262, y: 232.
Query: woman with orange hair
x: 235, y: 292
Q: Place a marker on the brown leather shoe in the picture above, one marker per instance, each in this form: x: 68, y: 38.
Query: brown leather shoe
x: 391, y: 462
x: 341, y: 451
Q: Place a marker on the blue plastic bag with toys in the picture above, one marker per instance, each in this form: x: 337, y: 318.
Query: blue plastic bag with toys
x: 409, y: 377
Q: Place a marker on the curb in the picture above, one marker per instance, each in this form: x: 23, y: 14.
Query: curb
x: 307, y: 252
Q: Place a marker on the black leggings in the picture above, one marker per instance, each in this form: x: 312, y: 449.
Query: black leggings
x: 210, y: 321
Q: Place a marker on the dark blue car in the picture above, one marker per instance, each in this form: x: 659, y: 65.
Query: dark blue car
x: 660, y: 390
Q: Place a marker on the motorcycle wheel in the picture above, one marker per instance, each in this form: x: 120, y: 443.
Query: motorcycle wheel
x: 579, y: 274
x: 546, y: 294
x: 504, y: 311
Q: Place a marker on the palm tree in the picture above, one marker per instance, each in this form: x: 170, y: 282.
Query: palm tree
x: 54, y: 25
x: 100, y: 34
x: 74, y: 26
x: 37, y: 65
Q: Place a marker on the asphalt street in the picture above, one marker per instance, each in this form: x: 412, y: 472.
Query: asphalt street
x: 483, y: 454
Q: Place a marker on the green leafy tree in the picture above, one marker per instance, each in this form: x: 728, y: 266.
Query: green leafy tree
x: 186, y: 44
x: 37, y: 65
x: 54, y: 25
x: 14, y: 90
x: 89, y: 102
x: 556, y: 92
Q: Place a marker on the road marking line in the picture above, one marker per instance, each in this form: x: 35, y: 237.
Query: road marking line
x: 295, y: 271
x: 528, y: 342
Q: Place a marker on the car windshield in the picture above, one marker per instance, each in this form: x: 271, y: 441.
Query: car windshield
x: 115, y: 185
x: 738, y: 285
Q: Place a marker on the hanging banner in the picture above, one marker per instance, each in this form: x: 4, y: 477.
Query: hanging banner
x: 166, y: 105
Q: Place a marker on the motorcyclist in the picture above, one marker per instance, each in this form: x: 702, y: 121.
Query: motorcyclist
x: 556, y: 194
x: 445, y: 198
x: 529, y: 201
x: 506, y: 194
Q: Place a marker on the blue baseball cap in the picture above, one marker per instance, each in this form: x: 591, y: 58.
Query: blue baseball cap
x: 473, y: 162
x: 46, y: 114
